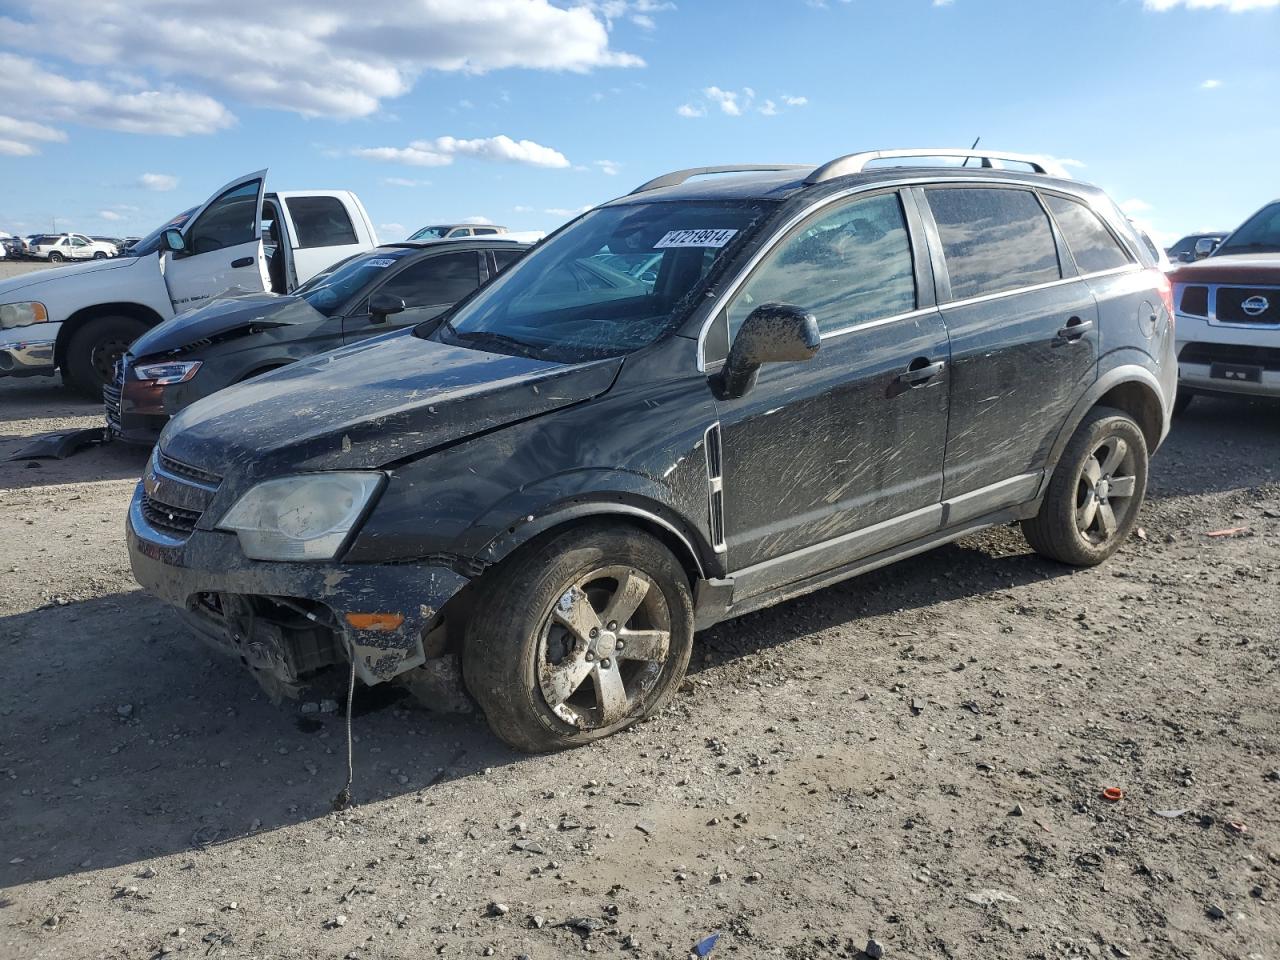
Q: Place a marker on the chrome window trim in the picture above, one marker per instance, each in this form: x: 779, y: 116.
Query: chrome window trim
x: 722, y: 299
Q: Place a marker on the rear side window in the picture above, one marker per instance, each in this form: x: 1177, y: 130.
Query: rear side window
x: 993, y: 240
x: 321, y: 222
x: 442, y: 279
x: 847, y: 267
x: 505, y: 258
x: 1091, y: 243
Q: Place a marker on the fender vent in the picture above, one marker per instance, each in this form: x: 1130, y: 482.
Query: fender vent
x: 715, y: 487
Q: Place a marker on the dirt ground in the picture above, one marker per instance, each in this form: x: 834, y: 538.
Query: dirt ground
x: 916, y: 756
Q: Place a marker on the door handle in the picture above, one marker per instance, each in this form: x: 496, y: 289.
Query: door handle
x: 242, y: 262
x: 920, y: 371
x: 1075, y: 329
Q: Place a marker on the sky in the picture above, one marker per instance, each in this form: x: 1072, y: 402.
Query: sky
x: 116, y: 114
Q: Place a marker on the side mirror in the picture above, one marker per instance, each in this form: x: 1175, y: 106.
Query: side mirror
x: 174, y: 241
x: 1205, y: 246
x: 382, y: 305
x: 772, y: 333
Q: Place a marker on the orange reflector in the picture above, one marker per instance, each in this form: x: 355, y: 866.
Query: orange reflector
x: 375, y: 621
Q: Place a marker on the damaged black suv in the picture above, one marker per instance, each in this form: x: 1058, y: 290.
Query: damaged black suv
x: 694, y: 401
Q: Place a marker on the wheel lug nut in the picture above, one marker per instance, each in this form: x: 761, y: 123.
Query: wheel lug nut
x: 594, y: 633
x: 613, y: 625
x: 606, y: 663
x: 618, y: 643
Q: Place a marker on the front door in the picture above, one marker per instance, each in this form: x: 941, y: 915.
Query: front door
x: 428, y: 287
x: 1024, y: 339
x: 224, y: 251
x: 840, y: 456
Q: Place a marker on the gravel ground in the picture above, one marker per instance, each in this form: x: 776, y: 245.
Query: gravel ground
x: 916, y: 756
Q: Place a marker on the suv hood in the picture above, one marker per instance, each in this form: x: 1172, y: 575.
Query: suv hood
x: 369, y: 405
x: 1231, y: 268
x: 36, y: 278
x: 225, y: 315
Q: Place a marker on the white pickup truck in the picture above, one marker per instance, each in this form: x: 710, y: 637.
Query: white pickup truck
x: 80, y: 319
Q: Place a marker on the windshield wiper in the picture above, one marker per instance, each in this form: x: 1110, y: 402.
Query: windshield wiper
x: 478, y: 337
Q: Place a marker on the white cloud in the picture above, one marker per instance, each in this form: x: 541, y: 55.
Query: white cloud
x: 314, y: 57
x: 110, y: 216
x: 520, y: 208
x: 566, y: 211
x: 405, y: 182
x: 1135, y: 206
x: 1211, y: 85
x: 727, y: 100
x: 769, y: 108
x: 18, y: 138
x: 737, y: 103
x: 609, y: 167
x: 480, y: 221
x: 27, y: 87
x: 16, y: 148
x: 1068, y: 162
x: 396, y: 229
x: 442, y: 151
x: 942, y: 3
x: 160, y: 182
x: 689, y: 110
x: 1233, y: 6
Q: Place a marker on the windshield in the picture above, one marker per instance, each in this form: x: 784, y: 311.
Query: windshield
x: 151, y: 242
x: 1259, y: 234
x: 431, y: 233
x: 578, y: 295
x: 327, y: 292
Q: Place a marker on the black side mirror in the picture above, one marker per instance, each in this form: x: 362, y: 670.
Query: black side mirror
x: 382, y: 305
x: 772, y: 333
x: 1205, y: 246
x: 174, y: 241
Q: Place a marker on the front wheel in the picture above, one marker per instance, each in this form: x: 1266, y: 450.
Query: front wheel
x: 92, y: 353
x: 588, y: 632
x: 99, y: 255
x: 1182, y: 401
x: 55, y: 257
x: 1097, y: 488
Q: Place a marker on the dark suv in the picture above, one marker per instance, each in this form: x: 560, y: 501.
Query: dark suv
x: 563, y: 478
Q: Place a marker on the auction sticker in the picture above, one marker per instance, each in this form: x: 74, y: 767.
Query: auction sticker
x: 380, y: 262
x: 695, y: 238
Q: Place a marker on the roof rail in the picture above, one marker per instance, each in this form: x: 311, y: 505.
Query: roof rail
x: 680, y: 176
x: 857, y: 162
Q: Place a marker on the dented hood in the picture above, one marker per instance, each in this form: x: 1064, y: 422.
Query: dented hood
x: 367, y: 406
x: 225, y: 315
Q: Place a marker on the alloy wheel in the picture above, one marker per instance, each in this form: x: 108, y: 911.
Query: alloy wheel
x: 603, y: 647
x: 1105, y: 490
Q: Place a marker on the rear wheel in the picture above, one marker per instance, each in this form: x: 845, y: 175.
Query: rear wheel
x: 55, y: 257
x: 590, y: 633
x: 1098, y: 487
x: 92, y: 353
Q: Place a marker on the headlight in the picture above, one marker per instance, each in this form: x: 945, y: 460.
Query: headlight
x: 306, y: 517
x: 167, y: 373
x: 22, y: 314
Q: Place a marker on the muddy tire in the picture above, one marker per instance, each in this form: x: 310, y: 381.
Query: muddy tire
x: 94, y: 349
x: 587, y: 632
x: 1095, y: 494
x: 1182, y: 401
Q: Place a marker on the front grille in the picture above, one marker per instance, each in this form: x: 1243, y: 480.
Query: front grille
x: 1195, y: 301
x: 112, y: 394
x: 1266, y: 357
x: 168, y: 518
x: 187, y: 472
x: 1232, y: 301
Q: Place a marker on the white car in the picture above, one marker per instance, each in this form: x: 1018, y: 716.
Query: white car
x: 57, y: 248
x: 80, y: 318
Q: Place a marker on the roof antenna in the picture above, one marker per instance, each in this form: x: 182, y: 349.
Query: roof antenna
x: 972, y: 146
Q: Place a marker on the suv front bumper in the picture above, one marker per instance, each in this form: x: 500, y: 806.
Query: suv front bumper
x: 1202, y: 345
x: 286, y: 619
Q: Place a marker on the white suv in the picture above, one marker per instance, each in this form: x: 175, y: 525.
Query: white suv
x: 71, y: 246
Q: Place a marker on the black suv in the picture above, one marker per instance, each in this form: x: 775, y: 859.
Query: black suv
x: 560, y: 480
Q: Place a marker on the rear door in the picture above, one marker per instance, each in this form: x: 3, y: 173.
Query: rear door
x: 223, y: 246
x: 1024, y: 339
x: 840, y: 456
x: 428, y: 287
x: 320, y: 232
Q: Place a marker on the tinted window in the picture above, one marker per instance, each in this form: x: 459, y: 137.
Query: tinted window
x: 485, y: 231
x: 151, y: 242
x: 846, y: 267
x: 321, y: 222
x: 1092, y: 245
x: 993, y: 240
x: 446, y: 278
x: 430, y: 233
x: 333, y: 289
x: 230, y: 220
x: 1259, y: 234
x: 506, y: 258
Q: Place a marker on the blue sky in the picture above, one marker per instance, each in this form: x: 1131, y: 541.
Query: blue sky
x: 115, y: 114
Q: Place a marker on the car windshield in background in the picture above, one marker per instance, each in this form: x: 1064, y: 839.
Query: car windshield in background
x: 1259, y: 234
x: 431, y: 233
x: 151, y: 242
x: 578, y: 296
x: 328, y: 291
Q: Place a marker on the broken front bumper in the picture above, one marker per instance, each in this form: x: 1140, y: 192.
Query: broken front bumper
x: 284, y: 620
